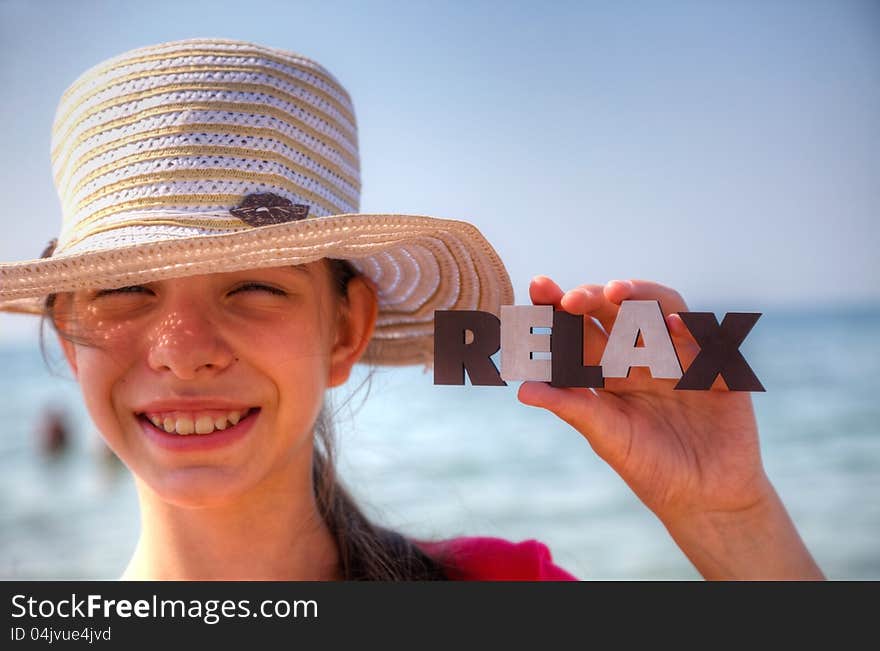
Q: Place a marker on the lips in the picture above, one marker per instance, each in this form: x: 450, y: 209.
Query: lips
x: 183, y: 442
x: 199, y: 422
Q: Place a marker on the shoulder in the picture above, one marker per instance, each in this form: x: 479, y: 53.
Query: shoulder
x: 483, y: 558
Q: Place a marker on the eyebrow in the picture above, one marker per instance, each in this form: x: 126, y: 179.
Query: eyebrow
x: 296, y: 269
x: 287, y: 269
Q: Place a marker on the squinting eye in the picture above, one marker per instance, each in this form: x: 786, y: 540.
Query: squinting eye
x: 131, y: 289
x: 272, y: 290
x: 137, y: 289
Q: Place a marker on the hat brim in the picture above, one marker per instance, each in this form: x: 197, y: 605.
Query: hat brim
x: 419, y: 264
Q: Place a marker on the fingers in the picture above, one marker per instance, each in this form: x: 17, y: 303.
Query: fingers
x: 686, y: 347
x: 602, y: 303
x: 543, y: 291
x: 678, y: 329
x: 574, y: 406
x: 591, y: 300
x: 584, y: 299
x: 671, y: 302
x: 645, y: 290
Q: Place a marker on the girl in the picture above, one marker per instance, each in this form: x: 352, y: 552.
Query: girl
x: 213, y: 278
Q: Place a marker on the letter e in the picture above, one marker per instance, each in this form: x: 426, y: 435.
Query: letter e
x: 518, y: 342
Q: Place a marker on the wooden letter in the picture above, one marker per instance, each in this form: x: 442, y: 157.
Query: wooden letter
x: 658, y: 353
x: 567, y: 354
x: 719, y: 351
x: 518, y: 342
x: 453, y: 355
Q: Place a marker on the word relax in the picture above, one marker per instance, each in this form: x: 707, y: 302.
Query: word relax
x: 465, y: 340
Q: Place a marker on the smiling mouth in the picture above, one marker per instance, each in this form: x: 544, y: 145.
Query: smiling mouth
x: 185, y: 425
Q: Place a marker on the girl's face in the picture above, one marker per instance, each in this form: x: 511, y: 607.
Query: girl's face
x: 271, y: 340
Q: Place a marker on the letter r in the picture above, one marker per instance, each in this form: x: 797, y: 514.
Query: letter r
x: 453, y: 355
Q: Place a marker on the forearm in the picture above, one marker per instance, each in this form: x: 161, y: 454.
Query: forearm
x: 760, y: 543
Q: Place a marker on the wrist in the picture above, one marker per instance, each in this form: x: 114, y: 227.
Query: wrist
x: 757, y: 542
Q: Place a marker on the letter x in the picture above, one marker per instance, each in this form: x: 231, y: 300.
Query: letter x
x: 719, y: 351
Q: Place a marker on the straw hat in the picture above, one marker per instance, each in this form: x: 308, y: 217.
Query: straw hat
x: 213, y: 155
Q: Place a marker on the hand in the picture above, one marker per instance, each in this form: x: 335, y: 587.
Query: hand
x: 680, y: 451
x: 692, y: 457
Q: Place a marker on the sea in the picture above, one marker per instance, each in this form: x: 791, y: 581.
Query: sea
x: 441, y: 461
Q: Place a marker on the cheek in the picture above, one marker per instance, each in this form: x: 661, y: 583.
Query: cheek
x: 301, y: 346
x: 297, y: 360
x: 99, y: 377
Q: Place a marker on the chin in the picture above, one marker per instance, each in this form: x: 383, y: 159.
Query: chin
x: 198, y: 487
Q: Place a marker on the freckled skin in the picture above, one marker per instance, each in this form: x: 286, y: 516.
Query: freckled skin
x: 204, y: 335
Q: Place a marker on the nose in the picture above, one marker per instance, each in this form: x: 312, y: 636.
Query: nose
x: 187, y: 341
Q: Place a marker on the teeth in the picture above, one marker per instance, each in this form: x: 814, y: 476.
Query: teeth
x: 184, y: 425
x: 204, y: 424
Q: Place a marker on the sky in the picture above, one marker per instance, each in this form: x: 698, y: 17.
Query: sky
x: 730, y: 150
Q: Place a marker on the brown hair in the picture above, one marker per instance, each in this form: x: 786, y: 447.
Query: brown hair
x: 367, y: 552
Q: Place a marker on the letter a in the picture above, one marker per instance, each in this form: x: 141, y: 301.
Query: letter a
x: 658, y: 353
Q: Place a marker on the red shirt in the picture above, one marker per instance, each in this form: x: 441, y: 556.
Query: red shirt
x: 480, y: 558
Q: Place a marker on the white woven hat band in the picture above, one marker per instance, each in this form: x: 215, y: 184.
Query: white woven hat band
x: 189, y: 128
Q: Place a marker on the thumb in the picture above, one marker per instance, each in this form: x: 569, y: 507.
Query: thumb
x: 593, y: 414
